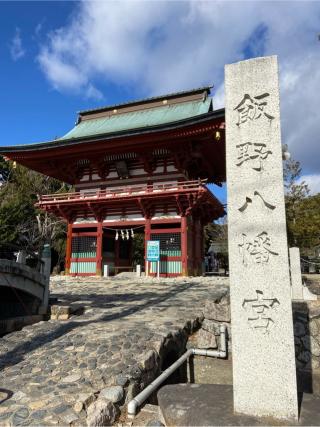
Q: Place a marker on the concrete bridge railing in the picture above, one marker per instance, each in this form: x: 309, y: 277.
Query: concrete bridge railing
x: 23, y: 278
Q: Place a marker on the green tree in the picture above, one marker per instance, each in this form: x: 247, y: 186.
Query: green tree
x: 21, y: 223
x: 295, y: 192
x: 302, y: 210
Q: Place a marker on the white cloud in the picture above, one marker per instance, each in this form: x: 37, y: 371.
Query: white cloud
x: 16, y: 49
x: 153, y: 47
x: 313, y: 182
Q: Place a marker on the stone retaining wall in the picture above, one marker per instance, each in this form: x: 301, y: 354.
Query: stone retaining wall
x: 105, y: 407
x: 306, y: 317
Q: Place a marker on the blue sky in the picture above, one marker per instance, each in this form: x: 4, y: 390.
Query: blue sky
x: 60, y: 57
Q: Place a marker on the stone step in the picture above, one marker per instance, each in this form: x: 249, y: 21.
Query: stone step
x: 212, y: 405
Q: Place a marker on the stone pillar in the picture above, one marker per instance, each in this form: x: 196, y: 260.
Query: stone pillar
x: 264, y: 372
x: 138, y: 270
x: 21, y: 258
x: 46, y: 259
x: 295, y: 272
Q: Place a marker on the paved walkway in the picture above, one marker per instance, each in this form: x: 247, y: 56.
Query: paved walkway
x: 51, y: 371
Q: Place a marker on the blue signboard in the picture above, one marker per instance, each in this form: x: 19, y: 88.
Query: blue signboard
x: 153, y: 250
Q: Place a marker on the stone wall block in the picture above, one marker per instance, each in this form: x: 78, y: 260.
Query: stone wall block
x: 149, y: 360
x: 219, y: 311
x: 311, y: 344
x: 315, y: 348
x: 304, y: 357
x: 314, y: 310
x: 315, y: 363
x: 84, y: 400
x: 114, y: 393
x: 210, y: 326
x: 206, y: 339
x: 101, y: 413
x: 314, y: 328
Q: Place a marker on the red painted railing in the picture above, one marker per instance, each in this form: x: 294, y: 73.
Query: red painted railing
x: 123, y: 191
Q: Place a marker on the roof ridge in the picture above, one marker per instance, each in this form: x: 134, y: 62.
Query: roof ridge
x: 150, y: 99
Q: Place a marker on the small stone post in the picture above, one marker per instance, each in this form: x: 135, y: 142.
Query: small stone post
x: 264, y: 372
x: 138, y: 270
x: 21, y: 258
x: 106, y: 270
x: 46, y: 258
x: 295, y: 271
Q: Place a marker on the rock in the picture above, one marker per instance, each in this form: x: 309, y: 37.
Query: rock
x: 314, y: 310
x: 311, y: 344
x: 315, y: 363
x: 71, y: 378
x: 149, y: 360
x: 83, y: 401
x: 37, y: 404
x: 39, y: 415
x: 304, y: 357
x: 121, y: 380
x: 315, y: 347
x: 20, y: 416
x: 206, y: 339
x: 18, y: 395
x: 217, y: 310
x: 101, y: 413
x: 314, y: 327
x: 4, y: 416
x: 77, y: 407
x: 210, y: 326
x: 114, y: 393
x: 68, y: 416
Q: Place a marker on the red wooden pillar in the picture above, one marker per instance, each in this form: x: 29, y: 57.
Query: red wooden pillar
x: 68, y: 249
x: 198, y: 253
x: 99, y: 249
x: 184, y: 246
x: 147, y: 236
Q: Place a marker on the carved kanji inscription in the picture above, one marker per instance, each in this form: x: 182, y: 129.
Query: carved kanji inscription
x: 252, y: 108
x: 261, y: 311
x: 253, y: 154
x: 250, y: 200
x: 257, y: 250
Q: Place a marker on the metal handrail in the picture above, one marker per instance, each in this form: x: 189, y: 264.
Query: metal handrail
x: 122, y: 191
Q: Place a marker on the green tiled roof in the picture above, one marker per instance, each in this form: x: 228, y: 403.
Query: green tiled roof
x: 139, y: 119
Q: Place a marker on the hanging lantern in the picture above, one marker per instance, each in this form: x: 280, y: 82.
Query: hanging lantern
x: 117, y: 235
x: 122, y: 234
x: 127, y: 234
x: 132, y: 233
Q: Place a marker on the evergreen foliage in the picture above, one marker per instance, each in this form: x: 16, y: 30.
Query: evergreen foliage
x: 302, y: 210
x: 22, y: 224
